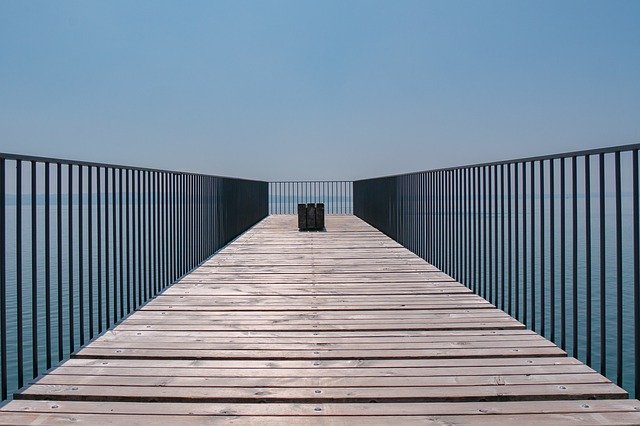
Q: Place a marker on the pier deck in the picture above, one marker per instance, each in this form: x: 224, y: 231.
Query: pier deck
x: 283, y: 327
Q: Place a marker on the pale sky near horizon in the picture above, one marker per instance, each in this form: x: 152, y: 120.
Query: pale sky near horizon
x: 316, y: 89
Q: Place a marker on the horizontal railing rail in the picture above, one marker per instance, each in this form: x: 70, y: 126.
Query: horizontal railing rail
x: 552, y: 240
x: 82, y: 245
x: 337, y: 195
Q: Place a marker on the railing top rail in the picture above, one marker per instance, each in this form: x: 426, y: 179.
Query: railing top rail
x: 311, y: 181
x: 52, y: 160
x: 595, y: 151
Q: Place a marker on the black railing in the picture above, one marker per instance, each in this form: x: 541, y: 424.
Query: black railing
x: 82, y: 245
x: 337, y: 195
x: 552, y: 240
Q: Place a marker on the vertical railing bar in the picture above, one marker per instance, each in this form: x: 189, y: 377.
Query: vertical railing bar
x: 135, y: 248
x: 485, y: 235
x: 34, y: 274
x: 19, y: 313
x: 461, y: 233
x: 178, y: 224
x: 198, y: 218
x: 47, y: 258
x: 176, y: 227
x: 128, y: 239
x: 574, y: 256
x: 533, y: 243
x: 156, y: 239
x: 153, y: 242
x: 490, y: 215
x: 114, y: 243
x: 516, y: 245
x: 138, y: 250
x: 525, y: 260
x: 208, y: 215
x: 342, y: 199
x: 162, y: 234
x: 151, y: 228
x: 543, y: 329
x: 193, y: 221
x: 587, y: 221
x: 495, y: 227
x: 563, y: 237
x: 619, y: 304
x: 552, y: 255
x: 168, y: 224
x: 451, y: 215
x: 636, y: 273
x: 81, y: 320
x: 183, y: 228
x: 451, y: 229
x: 159, y: 268
x: 202, y: 228
x: 90, y: 248
x: 3, y: 282
x: 438, y: 224
x: 464, y: 222
x: 502, y: 238
x: 190, y: 221
x: 455, y: 193
x: 509, y: 244
x: 459, y: 175
x: 99, y: 246
x: 145, y: 237
x: 153, y: 233
x: 171, y: 205
x: 59, y: 260
x: 470, y: 227
x: 71, y: 293
x: 107, y: 275
x: 448, y: 234
x: 468, y: 219
x: 477, y: 233
x: 168, y: 199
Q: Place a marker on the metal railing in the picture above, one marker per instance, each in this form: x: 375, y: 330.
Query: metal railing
x: 82, y: 245
x: 337, y: 195
x: 552, y: 240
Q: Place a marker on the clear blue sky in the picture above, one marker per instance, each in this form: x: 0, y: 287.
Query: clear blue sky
x: 316, y: 89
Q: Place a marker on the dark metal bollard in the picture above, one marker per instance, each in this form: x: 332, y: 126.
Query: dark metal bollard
x: 320, y: 216
x: 302, y: 217
x: 311, y: 217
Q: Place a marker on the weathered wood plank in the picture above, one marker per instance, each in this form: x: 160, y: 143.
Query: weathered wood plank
x: 496, y: 392
x: 344, y: 409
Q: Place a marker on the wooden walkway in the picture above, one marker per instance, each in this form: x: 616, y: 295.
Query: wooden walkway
x: 343, y: 326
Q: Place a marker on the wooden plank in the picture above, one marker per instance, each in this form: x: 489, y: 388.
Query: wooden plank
x: 607, y: 418
x: 319, y: 353
x: 442, y: 382
x: 343, y: 409
x: 326, y: 364
x: 562, y: 369
x: 312, y: 394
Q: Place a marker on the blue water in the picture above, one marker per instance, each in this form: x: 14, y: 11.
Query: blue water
x: 12, y: 293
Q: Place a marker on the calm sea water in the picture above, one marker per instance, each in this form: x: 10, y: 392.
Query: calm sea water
x: 67, y: 299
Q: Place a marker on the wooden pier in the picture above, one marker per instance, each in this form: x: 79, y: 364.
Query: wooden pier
x: 343, y: 326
